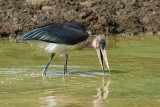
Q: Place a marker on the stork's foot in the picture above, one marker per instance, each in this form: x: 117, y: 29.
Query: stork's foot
x: 103, y: 72
x: 65, y: 71
x: 44, y: 72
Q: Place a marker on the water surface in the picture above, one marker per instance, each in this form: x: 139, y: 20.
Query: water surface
x: 134, y: 79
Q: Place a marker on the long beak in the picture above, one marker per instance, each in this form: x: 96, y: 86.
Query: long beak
x: 100, y: 57
x: 102, y: 54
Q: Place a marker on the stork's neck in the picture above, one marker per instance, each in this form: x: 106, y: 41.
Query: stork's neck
x: 89, y: 44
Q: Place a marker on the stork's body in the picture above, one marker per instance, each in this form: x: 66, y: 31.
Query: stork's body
x: 58, y: 48
x: 60, y: 38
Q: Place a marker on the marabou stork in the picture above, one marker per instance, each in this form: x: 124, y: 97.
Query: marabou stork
x: 64, y: 37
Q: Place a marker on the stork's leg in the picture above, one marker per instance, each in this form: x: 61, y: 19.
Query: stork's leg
x: 65, y: 64
x: 49, y: 61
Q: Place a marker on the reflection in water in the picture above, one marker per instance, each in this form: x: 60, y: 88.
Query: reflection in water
x: 46, y: 82
x: 53, y: 99
x: 65, y: 80
x: 44, y: 78
x: 48, y: 101
x: 102, y: 93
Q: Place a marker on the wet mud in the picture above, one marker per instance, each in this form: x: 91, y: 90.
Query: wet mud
x: 126, y: 17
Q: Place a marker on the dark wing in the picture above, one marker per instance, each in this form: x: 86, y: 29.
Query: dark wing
x: 62, y: 33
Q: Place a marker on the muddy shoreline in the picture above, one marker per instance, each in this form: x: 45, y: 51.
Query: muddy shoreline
x: 125, y: 17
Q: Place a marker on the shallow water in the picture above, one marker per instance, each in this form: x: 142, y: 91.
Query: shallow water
x: 134, y: 79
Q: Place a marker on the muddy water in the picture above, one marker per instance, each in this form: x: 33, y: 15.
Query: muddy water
x: 134, y: 78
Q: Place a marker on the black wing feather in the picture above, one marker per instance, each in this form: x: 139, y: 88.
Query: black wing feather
x: 62, y: 33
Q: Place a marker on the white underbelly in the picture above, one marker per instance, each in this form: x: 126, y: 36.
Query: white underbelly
x: 58, y: 48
